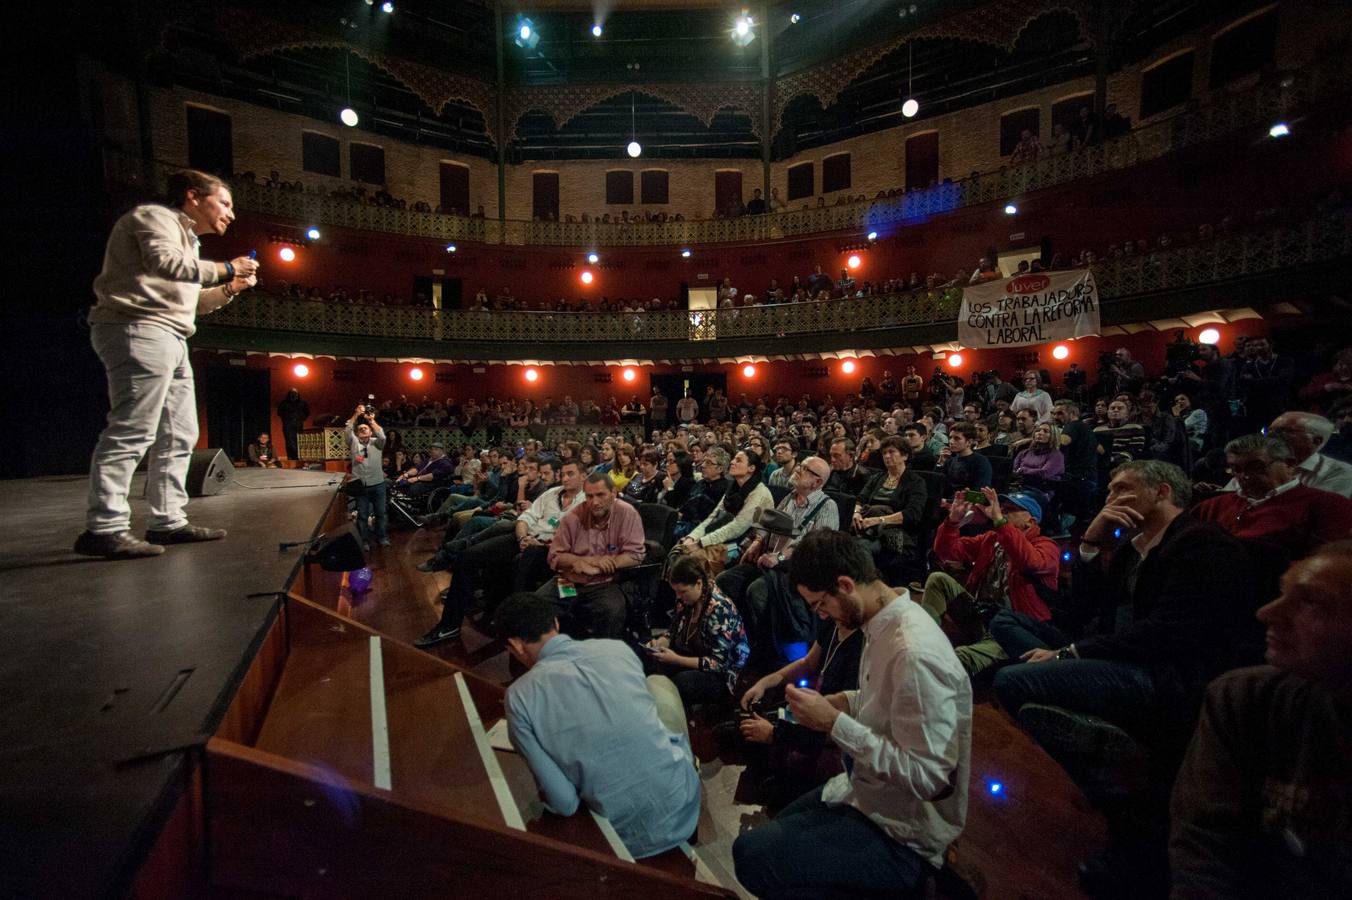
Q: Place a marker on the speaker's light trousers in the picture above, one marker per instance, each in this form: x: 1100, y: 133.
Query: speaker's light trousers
x: 153, y: 408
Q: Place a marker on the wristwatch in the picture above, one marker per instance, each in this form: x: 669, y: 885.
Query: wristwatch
x: 1067, y: 652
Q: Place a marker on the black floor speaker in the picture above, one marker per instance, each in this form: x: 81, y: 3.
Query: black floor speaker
x: 338, y: 550
x: 209, y: 472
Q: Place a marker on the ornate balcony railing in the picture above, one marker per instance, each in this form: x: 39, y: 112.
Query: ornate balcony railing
x: 1221, y: 259
x: 1222, y: 114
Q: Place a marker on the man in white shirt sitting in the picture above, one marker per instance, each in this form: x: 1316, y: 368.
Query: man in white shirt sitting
x: 882, y: 826
x: 1305, y: 435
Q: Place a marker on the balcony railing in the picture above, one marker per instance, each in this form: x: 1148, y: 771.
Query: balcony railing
x: 1221, y: 259
x: 1222, y: 114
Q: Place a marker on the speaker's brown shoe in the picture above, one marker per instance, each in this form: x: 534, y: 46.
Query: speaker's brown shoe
x: 118, y: 545
x: 188, y: 534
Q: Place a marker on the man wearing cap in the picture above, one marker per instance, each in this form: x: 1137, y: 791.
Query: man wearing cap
x: 805, y: 509
x: 419, y: 481
x: 1005, y: 562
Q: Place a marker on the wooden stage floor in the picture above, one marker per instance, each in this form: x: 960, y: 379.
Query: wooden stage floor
x: 116, y: 671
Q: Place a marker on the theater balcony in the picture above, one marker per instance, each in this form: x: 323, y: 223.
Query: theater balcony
x: 1257, y: 270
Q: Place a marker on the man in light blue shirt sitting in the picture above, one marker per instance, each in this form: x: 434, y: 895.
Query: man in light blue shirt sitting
x: 592, y: 729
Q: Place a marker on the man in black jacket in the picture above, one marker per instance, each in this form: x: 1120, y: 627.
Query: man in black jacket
x: 848, y: 476
x: 1183, y: 587
x: 293, y: 411
x: 1184, y: 584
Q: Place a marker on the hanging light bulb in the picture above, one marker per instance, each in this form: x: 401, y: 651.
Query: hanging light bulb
x: 635, y: 149
x: 348, y: 116
x: 912, y: 105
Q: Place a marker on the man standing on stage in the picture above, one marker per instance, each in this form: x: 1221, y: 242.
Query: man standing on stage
x: 150, y: 292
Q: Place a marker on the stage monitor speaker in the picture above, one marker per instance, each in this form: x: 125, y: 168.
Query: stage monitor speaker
x: 338, y: 550
x: 209, y: 472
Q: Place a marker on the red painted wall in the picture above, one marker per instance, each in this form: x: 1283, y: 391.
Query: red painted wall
x: 391, y: 380
x: 1170, y: 195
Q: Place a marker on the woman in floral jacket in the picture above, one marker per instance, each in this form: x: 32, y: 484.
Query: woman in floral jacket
x: 705, y: 649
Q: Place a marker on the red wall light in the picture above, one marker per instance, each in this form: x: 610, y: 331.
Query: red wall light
x: 630, y: 374
x: 854, y: 261
x: 848, y: 367
x: 532, y: 375
x: 748, y: 371
x: 587, y: 277
x: 954, y: 360
x: 300, y: 370
x: 286, y: 254
x: 1060, y: 351
x: 415, y: 373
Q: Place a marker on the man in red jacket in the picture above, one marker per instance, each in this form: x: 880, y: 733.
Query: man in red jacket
x: 1004, y: 563
x: 1271, y: 504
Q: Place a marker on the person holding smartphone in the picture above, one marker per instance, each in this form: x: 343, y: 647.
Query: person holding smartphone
x: 1003, y: 564
x: 706, y: 647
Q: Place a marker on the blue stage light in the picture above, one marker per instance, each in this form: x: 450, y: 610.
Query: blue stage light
x: 313, y: 234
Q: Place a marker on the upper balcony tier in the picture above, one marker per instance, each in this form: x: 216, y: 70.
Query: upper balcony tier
x: 1239, y: 115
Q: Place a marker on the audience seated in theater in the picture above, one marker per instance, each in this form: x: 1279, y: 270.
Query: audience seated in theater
x: 1007, y: 569
x: 1041, y: 464
x: 1305, y: 435
x: 422, y: 479
x: 1096, y: 701
x: 1271, y: 505
x: 679, y: 480
x: 1326, y: 389
x: 593, y: 542
x: 594, y: 731
x: 480, y: 557
x: 962, y: 467
x: 1259, y: 808
x: 848, y: 475
x: 887, y: 516
x: 784, y: 759
x: 884, y: 825
x: 645, y: 486
x: 758, y: 584
x: 706, y: 647
x: 716, y: 537
x: 261, y: 453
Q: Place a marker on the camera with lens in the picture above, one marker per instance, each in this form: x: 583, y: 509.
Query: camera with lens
x: 370, y: 407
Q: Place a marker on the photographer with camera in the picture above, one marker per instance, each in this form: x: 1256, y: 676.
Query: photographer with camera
x: 365, y: 443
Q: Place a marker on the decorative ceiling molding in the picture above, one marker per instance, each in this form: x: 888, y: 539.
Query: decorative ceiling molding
x: 984, y: 25
x: 562, y: 103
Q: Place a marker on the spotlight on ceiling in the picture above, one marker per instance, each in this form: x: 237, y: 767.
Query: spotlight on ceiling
x: 526, y: 35
x: 1011, y: 209
x: 685, y: 254
x: 596, y: 30
x: 313, y: 234
x: 348, y: 117
x: 593, y: 258
x: 873, y: 235
x: 795, y: 19
x: 635, y: 149
x: 451, y: 248
x: 1280, y: 129
x: 387, y: 6
x: 910, y: 107
x: 742, y: 31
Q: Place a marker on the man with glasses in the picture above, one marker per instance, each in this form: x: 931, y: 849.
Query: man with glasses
x: 786, y: 458
x: 884, y: 824
x: 1271, y: 505
x: 805, y: 509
